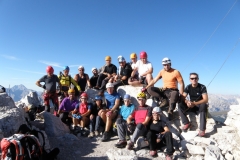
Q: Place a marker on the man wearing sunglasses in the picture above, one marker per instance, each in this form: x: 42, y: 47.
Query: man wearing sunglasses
x: 198, y: 102
x: 171, y: 77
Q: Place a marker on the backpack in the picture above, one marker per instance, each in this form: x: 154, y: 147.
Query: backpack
x: 21, y: 147
x: 77, y: 93
x: 33, y: 110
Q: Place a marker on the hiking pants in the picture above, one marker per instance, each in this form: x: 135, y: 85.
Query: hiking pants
x: 156, y: 93
x: 202, y: 108
x: 140, y: 130
x: 101, y: 77
x: 173, y: 96
x: 64, y: 118
x: 122, y: 129
x: 166, y: 140
x: 53, y: 97
x: 117, y: 84
x: 95, y: 123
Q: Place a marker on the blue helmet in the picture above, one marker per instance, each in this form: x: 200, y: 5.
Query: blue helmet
x: 66, y: 68
x: 97, y: 97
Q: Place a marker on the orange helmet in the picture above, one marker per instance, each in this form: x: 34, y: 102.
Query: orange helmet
x: 133, y: 55
x: 108, y: 58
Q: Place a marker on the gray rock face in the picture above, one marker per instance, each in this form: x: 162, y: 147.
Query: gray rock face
x: 11, y: 117
x: 54, y: 127
x: 31, y: 98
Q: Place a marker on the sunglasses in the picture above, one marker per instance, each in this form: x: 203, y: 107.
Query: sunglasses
x: 194, y: 78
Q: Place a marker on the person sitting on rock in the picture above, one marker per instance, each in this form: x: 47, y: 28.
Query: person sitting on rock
x: 110, y: 70
x: 94, y: 78
x: 66, y: 80
x: 108, y: 115
x: 82, y: 79
x: 144, y: 69
x: 171, y: 77
x: 125, y: 72
x: 142, y: 116
x: 159, y: 135
x: 133, y: 63
x: 81, y: 112
x: 67, y: 106
x: 50, y: 93
x: 198, y: 102
x: 121, y: 122
x: 95, y: 120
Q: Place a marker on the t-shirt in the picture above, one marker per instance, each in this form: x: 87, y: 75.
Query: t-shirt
x: 126, y: 71
x: 125, y: 111
x: 68, y: 105
x: 111, y: 68
x: 140, y: 113
x: 196, y: 93
x: 95, y: 109
x: 170, y: 78
x: 83, y: 107
x: 50, y: 82
x: 158, y: 127
x: 93, y: 80
x: 143, y: 68
x: 111, y: 98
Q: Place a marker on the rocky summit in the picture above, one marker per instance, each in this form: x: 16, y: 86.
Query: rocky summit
x: 221, y: 141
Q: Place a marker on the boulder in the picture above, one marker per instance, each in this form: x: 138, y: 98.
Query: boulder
x: 11, y: 117
x: 213, y: 152
x: 121, y: 154
x: 54, y: 127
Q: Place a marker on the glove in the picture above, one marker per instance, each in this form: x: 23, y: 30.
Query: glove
x: 44, y: 87
x: 143, y: 89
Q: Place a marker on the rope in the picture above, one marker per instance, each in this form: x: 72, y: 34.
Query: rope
x: 210, y: 36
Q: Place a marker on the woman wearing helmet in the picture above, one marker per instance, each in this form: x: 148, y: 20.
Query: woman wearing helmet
x: 50, y: 81
x: 94, y: 117
x: 142, y: 116
x: 144, y: 69
x: 159, y: 135
x: 82, y: 79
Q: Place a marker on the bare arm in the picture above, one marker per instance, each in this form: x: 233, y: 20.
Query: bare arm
x: 134, y: 71
x: 87, y: 113
x: 165, y: 130
x: 116, y: 105
x: 181, y: 86
x: 152, y: 82
x: 38, y: 84
x: 88, y: 81
x: 147, y: 119
x: 150, y: 71
x: 204, y: 100
x: 129, y: 119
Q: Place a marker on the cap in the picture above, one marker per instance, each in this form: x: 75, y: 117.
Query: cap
x: 108, y: 85
x: 127, y: 96
x: 156, y: 110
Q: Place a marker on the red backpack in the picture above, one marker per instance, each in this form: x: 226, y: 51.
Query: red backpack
x: 21, y: 147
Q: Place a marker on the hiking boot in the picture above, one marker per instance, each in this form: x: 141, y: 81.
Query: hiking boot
x: 186, y: 127
x: 163, y: 103
x: 106, y: 136
x: 141, y: 143
x: 201, y: 133
x: 168, y: 157
x: 121, y: 144
x: 91, y: 135
x: 130, y: 146
x: 96, y: 133
x: 153, y: 153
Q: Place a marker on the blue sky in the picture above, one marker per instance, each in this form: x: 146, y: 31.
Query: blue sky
x: 196, y: 35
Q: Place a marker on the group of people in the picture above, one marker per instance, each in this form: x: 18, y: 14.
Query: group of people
x: 107, y: 109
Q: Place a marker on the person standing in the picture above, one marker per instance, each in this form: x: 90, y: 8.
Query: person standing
x: 198, y: 102
x: 82, y: 79
x: 51, y: 80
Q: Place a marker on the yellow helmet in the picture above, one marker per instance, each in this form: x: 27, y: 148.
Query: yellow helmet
x: 108, y: 58
x: 71, y: 90
x: 141, y: 95
x: 133, y: 55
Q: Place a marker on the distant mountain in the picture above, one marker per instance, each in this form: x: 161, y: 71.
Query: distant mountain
x: 17, y: 92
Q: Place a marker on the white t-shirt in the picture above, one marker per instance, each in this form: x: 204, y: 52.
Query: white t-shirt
x: 143, y: 68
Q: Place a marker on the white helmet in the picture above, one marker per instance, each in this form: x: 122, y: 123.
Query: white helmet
x: 94, y: 68
x: 80, y: 67
x: 156, y: 110
x: 166, y: 60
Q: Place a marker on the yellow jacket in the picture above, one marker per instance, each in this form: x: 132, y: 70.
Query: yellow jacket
x: 64, y: 80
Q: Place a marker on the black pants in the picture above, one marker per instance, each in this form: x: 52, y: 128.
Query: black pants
x: 167, y: 140
x: 202, y: 108
x: 64, y: 118
x: 102, y: 81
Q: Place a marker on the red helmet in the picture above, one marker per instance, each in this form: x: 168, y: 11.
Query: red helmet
x: 49, y: 69
x: 143, y: 54
x: 84, y: 94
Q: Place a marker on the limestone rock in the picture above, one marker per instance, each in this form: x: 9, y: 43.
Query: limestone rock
x: 195, y: 150
x: 213, y: 152
x: 11, y: 117
x: 121, y: 154
x: 54, y: 126
x: 31, y: 98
